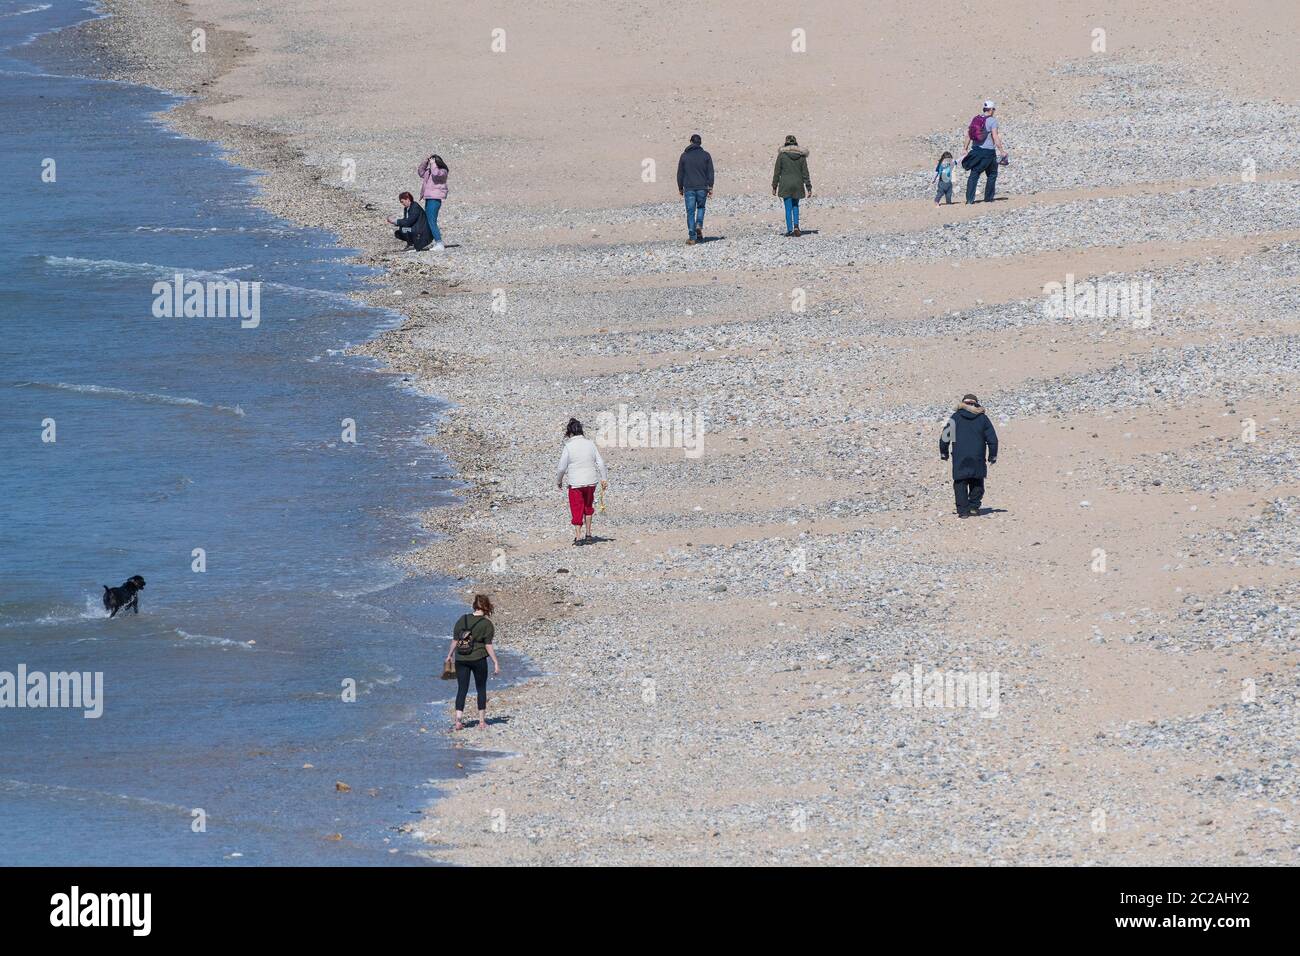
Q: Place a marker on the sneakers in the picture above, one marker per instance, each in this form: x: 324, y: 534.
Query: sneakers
x: 439, y: 247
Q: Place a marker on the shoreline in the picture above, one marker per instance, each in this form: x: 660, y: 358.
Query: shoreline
x: 281, y: 176
x: 235, y: 637
x: 718, y: 773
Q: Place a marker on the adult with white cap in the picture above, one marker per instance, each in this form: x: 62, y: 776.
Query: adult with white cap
x: 984, y: 143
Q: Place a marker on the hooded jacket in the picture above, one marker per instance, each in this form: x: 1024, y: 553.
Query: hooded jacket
x: 416, y: 221
x: 433, y: 180
x: 968, y: 433
x: 790, y: 177
x: 695, y: 168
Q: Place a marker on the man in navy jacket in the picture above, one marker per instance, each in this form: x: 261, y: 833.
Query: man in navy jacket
x: 695, y: 184
x: 966, y: 435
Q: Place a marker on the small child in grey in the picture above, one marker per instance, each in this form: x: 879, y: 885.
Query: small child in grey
x: 943, y: 178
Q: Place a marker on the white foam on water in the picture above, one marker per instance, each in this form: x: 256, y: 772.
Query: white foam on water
x: 93, y: 610
x: 176, y: 229
x: 54, y: 789
x: 38, y: 8
x: 151, y: 397
x: 372, y: 588
x: 215, y: 641
x: 166, y: 273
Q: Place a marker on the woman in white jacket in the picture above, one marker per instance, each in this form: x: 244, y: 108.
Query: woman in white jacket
x: 580, y: 466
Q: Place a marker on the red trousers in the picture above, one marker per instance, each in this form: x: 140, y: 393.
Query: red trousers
x: 581, y: 503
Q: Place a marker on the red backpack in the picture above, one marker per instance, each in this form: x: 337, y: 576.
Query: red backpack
x: 975, y: 132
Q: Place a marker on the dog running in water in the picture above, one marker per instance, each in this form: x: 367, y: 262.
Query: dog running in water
x: 127, y: 596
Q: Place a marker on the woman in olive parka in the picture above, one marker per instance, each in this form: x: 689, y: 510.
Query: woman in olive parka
x: 791, y: 182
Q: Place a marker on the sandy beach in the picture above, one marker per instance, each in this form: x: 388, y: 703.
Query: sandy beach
x: 720, y: 674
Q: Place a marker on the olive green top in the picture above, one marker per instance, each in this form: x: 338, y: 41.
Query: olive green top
x: 480, y: 631
x: 790, y: 177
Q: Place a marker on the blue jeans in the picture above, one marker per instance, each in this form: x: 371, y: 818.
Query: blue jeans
x: 695, y: 199
x: 986, y: 162
x: 431, y: 207
x: 791, y: 213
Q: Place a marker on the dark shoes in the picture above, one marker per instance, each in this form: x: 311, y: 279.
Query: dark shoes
x: 796, y: 232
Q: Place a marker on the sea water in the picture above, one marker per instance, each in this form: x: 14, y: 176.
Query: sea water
x: 260, y: 480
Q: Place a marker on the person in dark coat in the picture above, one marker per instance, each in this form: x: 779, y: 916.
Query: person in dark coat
x: 966, y: 436
x: 695, y: 184
x: 413, y: 228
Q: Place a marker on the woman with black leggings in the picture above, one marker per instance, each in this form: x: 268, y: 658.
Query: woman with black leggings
x: 471, y: 646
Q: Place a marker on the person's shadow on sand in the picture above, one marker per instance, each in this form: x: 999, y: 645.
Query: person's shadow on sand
x: 990, y: 511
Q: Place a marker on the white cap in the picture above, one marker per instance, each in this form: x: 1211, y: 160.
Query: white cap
x: 990, y: 105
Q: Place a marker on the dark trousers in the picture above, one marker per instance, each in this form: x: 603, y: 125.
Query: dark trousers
x: 969, y: 493
x: 479, y: 670
x: 986, y: 162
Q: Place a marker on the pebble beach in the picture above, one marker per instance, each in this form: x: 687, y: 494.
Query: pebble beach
x: 717, y: 677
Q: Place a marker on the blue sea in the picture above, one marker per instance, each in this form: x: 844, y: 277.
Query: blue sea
x: 208, y: 456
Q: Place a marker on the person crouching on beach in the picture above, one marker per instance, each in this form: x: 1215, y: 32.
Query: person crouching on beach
x: 471, y: 646
x: 966, y: 435
x: 413, y: 228
x: 790, y: 180
x: 580, y: 467
x: 433, y: 173
x: 943, y: 179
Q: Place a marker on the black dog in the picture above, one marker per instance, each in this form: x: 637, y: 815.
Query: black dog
x: 127, y: 596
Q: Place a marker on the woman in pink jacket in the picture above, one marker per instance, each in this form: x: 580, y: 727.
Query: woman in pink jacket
x: 433, y: 174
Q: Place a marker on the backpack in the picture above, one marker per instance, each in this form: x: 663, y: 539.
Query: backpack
x: 976, y: 132
x: 465, y: 640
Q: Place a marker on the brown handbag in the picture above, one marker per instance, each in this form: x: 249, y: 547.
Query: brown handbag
x: 448, y: 670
